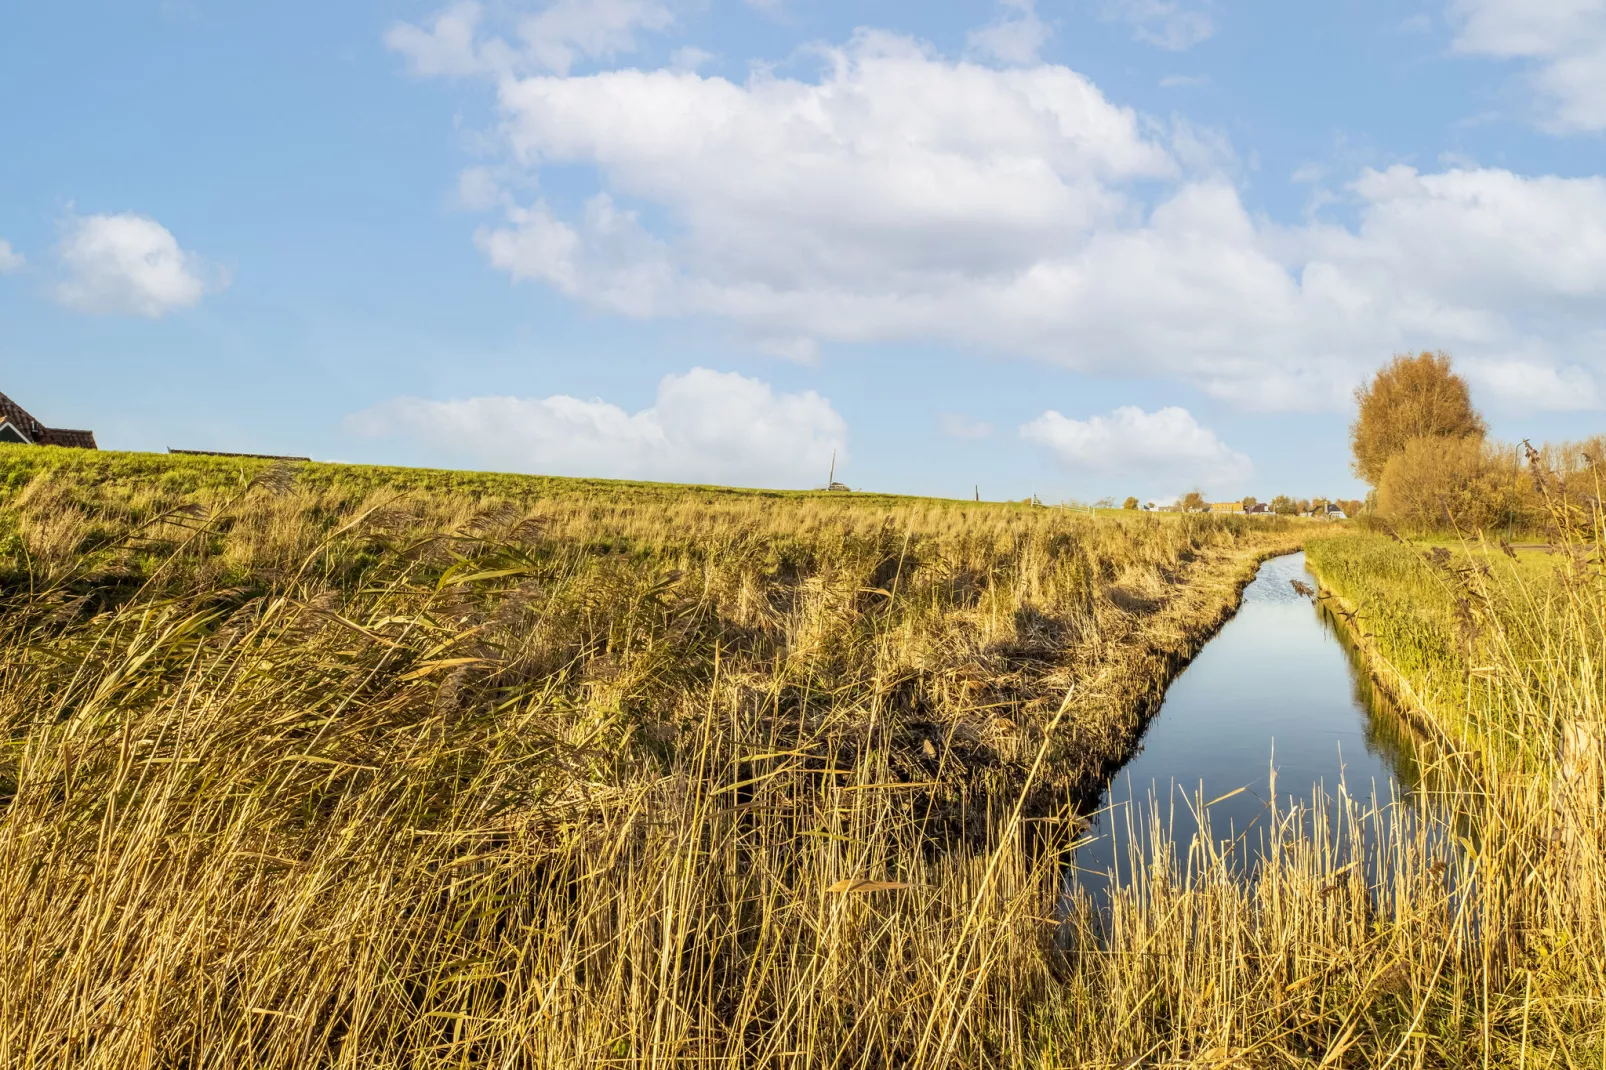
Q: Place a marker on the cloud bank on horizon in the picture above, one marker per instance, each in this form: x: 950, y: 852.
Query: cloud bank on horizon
x: 1006, y: 205
x: 1148, y: 446
x: 704, y: 427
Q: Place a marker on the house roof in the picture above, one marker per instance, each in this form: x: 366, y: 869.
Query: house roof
x: 68, y: 436
x: 20, y: 416
x: 42, y: 435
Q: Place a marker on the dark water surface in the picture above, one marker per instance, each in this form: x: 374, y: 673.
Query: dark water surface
x: 1275, y: 688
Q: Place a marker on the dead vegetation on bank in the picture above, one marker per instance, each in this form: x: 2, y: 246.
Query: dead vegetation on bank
x: 299, y: 774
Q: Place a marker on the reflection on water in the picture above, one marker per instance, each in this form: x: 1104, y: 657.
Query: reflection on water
x: 1275, y: 697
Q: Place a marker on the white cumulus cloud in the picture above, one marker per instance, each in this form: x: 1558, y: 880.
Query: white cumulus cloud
x: 127, y: 265
x: 567, y: 31
x: 1564, y: 41
x: 898, y: 195
x: 10, y: 259
x: 704, y: 426
x: 1166, y: 446
x: 1522, y: 386
x: 555, y: 38
x: 447, y: 46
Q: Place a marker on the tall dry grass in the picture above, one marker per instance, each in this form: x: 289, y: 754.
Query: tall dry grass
x: 307, y: 774
x: 1498, y: 656
x: 326, y: 775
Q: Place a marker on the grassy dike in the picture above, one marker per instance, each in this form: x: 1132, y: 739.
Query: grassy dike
x: 1485, y: 649
x: 324, y: 766
x: 1498, y: 655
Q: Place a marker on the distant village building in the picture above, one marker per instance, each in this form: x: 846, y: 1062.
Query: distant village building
x: 17, y: 426
x: 1226, y: 507
x: 1260, y: 509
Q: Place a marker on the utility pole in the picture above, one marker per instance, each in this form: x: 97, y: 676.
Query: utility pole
x: 978, y: 492
x: 832, y: 478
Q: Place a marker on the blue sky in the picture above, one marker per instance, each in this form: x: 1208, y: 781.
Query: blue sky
x: 1071, y: 248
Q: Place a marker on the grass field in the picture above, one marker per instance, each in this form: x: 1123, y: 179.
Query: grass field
x: 1501, y: 653
x: 1452, y: 615
x: 330, y: 766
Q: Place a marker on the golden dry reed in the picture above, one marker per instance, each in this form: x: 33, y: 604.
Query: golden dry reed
x: 313, y: 768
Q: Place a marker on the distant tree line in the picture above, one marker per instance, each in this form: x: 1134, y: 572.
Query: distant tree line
x: 1194, y: 501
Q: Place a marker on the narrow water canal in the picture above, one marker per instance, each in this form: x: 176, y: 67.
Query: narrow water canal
x: 1276, y: 688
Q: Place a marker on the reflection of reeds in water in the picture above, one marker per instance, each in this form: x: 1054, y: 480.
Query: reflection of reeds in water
x: 1352, y: 931
x: 1389, y: 731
